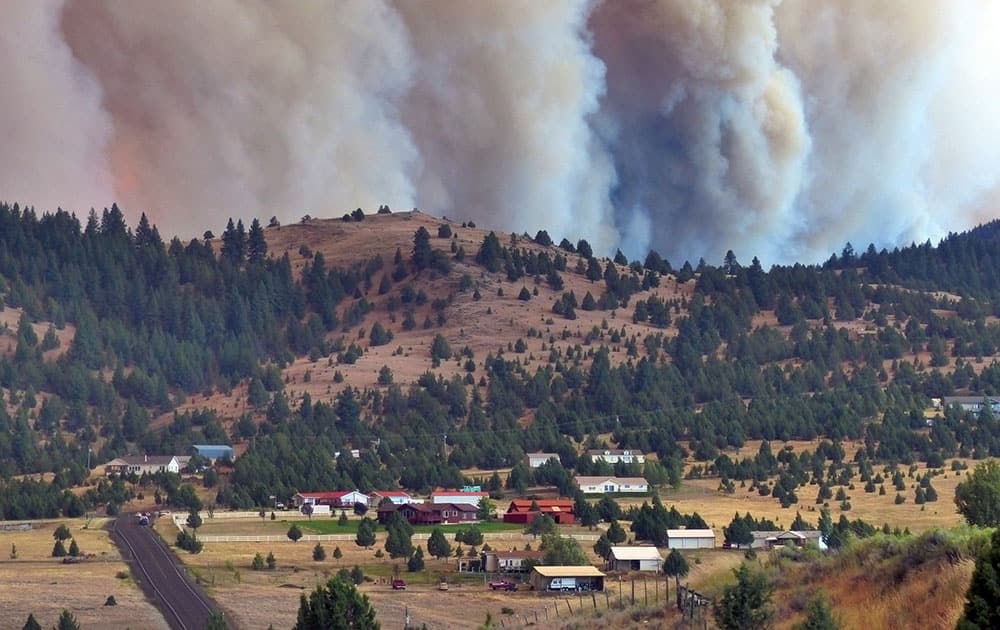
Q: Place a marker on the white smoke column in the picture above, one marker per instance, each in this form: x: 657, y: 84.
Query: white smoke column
x: 904, y: 107
x: 499, y: 113
x: 250, y: 108
x: 707, y: 128
x: 53, y: 132
x: 775, y: 128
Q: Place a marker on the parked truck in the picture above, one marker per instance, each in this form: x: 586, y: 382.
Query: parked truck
x: 563, y: 584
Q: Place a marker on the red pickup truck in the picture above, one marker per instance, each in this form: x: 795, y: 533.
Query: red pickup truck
x: 398, y: 585
x: 503, y: 585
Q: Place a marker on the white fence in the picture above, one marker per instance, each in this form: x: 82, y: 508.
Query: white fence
x: 492, y: 536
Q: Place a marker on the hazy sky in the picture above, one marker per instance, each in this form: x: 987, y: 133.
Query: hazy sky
x: 777, y: 129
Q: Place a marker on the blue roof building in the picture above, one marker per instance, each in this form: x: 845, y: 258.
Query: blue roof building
x: 214, y: 451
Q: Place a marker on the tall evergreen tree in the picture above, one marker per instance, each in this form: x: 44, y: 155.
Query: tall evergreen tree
x: 982, y: 600
x: 422, y: 250
x: 337, y: 604
x: 256, y: 244
x: 745, y: 605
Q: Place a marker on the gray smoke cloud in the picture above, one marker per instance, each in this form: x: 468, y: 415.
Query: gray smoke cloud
x: 774, y: 128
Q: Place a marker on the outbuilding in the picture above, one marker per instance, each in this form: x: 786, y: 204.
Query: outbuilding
x: 690, y: 539
x: 635, y: 559
x: 214, y: 452
x: 566, y: 578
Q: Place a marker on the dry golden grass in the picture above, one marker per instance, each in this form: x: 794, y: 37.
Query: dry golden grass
x: 873, y: 594
x: 718, y: 508
x: 36, y: 583
x: 488, y: 325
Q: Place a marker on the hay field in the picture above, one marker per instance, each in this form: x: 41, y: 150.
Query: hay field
x: 36, y: 583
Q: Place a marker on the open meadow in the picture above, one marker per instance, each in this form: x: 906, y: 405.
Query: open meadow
x: 34, y: 582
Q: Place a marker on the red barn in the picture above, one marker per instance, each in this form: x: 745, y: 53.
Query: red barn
x: 560, y: 510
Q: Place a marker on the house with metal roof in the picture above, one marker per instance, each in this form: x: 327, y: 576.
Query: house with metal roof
x: 458, y: 496
x: 635, y: 559
x: 214, y: 452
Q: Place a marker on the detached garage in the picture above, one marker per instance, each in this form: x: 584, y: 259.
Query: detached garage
x: 635, y: 559
x: 567, y: 578
x: 690, y: 539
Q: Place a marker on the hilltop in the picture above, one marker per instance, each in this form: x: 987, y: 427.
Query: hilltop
x: 470, y: 307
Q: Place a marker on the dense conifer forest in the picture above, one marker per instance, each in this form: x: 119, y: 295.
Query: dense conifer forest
x: 158, y: 322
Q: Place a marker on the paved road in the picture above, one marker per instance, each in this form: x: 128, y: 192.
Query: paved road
x: 183, y: 604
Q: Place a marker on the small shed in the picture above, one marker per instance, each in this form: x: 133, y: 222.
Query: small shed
x: 690, y: 539
x: 635, y: 559
x: 567, y: 578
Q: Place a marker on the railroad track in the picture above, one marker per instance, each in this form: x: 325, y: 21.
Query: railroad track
x: 183, y: 604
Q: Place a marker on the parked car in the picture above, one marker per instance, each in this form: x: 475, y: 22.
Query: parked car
x: 398, y: 585
x: 503, y: 585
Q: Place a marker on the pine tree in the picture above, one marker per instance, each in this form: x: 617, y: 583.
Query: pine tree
x: 416, y: 561
x: 366, y: 533
x: 338, y: 604
x: 982, y: 600
x: 398, y: 542
x: 603, y: 546
x: 31, y: 623
x: 819, y: 616
x: 745, y: 605
x: 319, y: 554
x: 67, y: 621
x: 676, y: 566
x: 294, y: 533
x: 422, y: 250
x: 437, y: 545
x: 490, y: 253
x: 256, y: 244
x: 74, y: 549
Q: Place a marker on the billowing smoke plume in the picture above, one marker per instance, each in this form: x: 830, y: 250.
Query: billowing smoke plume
x: 775, y: 128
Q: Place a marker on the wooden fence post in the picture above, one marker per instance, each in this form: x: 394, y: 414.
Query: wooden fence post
x: 633, y: 591
x: 645, y: 592
x: 568, y: 605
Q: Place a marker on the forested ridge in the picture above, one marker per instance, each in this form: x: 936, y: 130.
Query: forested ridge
x: 849, y: 350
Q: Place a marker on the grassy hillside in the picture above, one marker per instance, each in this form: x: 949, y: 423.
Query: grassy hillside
x: 442, y: 348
